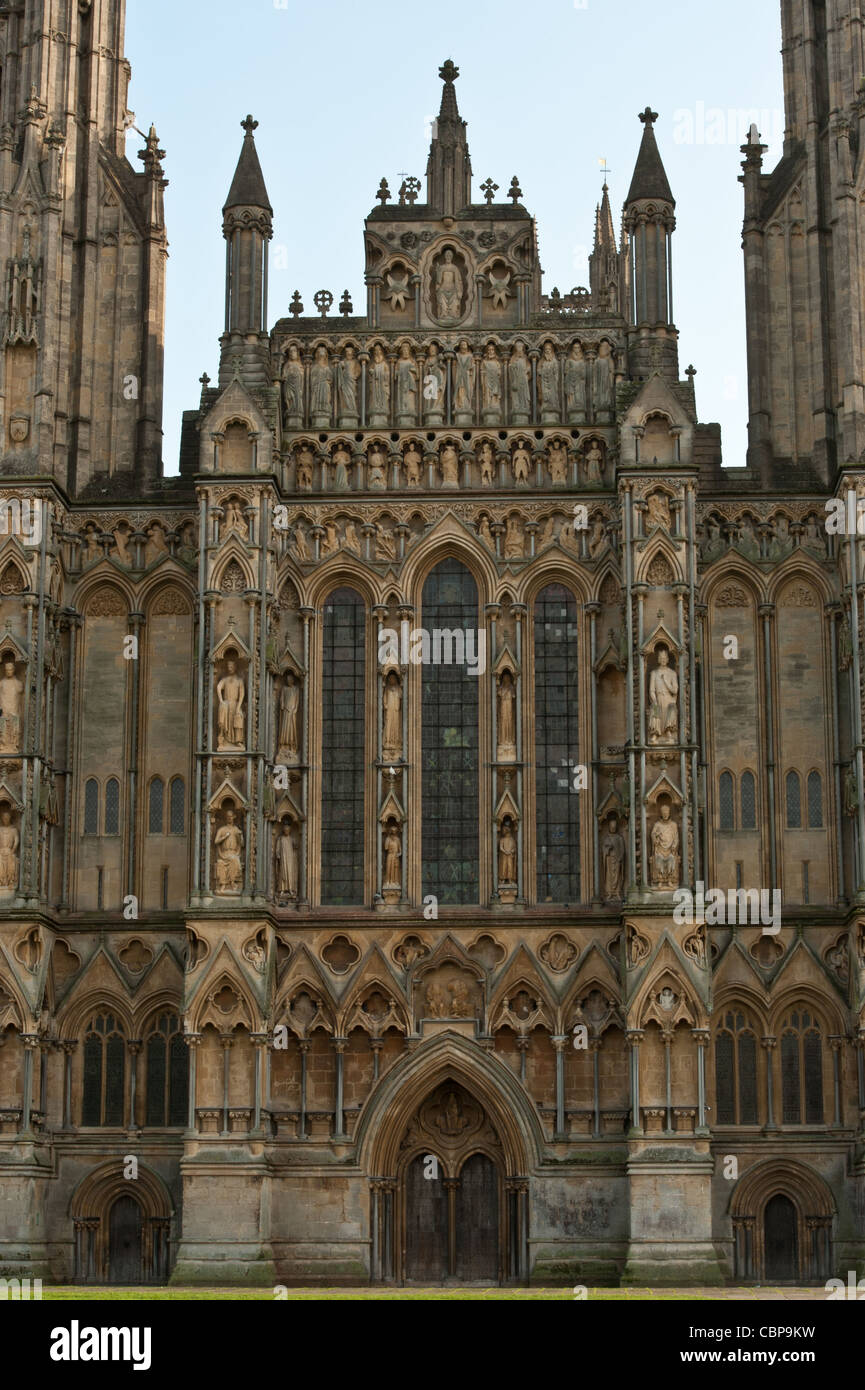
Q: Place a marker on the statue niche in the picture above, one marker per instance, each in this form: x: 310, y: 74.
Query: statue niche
x: 448, y: 286
x: 227, y: 854
x: 230, y: 707
x: 663, y: 699
x: 666, y: 859
x: 10, y: 842
x: 288, y: 727
x: 11, y: 704
x: 285, y: 861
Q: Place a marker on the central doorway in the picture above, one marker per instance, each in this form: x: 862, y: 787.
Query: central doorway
x: 124, y: 1242
x: 781, y: 1243
x: 452, y: 1193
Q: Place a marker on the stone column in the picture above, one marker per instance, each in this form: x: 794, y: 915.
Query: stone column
x: 193, y: 1042
x: 634, y: 1036
x: 339, y: 1046
x: 701, y: 1037
x: 558, y: 1041
x: 134, y: 1046
x: 769, y: 1044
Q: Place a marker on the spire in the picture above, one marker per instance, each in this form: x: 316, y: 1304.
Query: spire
x: 604, y: 259
x: 650, y: 179
x: 605, y: 231
x: 247, y: 187
x: 449, y: 170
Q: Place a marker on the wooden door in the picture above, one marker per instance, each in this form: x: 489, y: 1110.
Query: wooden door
x: 780, y: 1239
x: 477, y: 1220
x: 426, y: 1225
x: 124, y: 1242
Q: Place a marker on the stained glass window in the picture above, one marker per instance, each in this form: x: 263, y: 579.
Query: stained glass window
x: 154, y: 814
x: 557, y: 750
x: 794, y: 802
x: 736, y: 1071
x: 450, y: 850
x: 167, y: 1074
x: 725, y: 800
x: 177, y: 807
x: 801, y: 1069
x: 104, y: 1072
x: 112, y: 806
x: 91, y: 806
x: 815, y: 801
x: 343, y: 752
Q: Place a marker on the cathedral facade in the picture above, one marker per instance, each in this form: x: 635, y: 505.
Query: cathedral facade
x: 432, y: 824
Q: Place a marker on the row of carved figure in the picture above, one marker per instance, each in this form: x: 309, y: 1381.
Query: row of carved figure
x: 449, y: 465
x: 228, y: 844
x: 408, y: 385
x: 763, y: 540
x: 509, y: 537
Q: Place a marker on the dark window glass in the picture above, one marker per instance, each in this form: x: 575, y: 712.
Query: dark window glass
x: 104, y: 1062
x: 815, y: 801
x: 178, y: 1080
x: 114, y: 1059
x: 177, y: 807
x: 154, y: 814
x: 92, y: 1102
x: 790, y: 1108
x: 343, y: 753
x: 747, y: 1079
x: 450, y: 852
x: 557, y: 751
x: 748, y: 792
x: 813, y: 1079
x: 112, y: 807
x: 91, y: 806
x: 724, y: 1083
x: 725, y: 800
x: 155, y: 1080
x: 794, y: 802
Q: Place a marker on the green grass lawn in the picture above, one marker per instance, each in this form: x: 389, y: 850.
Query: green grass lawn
x: 76, y: 1293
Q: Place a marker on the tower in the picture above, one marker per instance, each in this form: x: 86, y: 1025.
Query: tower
x: 803, y: 261
x: 82, y: 250
x: 247, y: 226
x: 649, y: 223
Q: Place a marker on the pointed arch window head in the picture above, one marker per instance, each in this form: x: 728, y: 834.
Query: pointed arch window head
x: 155, y: 806
x: 450, y: 764
x: 91, y: 806
x: 726, y: 802
x: 177, y: 807
x: 815, y: 801
x: 104, y: 1072
x: 748, y: 801
x: 557, y: 746
x: 343, y: 752
x: 794, y: 801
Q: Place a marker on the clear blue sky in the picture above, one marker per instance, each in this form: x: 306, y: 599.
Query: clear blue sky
x: 344, y: 94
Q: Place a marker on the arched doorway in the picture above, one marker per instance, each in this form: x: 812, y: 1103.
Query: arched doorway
x: 780, y: 1241
x: 124, y: 1242
x: 453, y: 1217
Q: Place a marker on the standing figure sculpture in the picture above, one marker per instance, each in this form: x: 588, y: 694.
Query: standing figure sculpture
x: 548, y: 380
x: 230, y: 693
x: 665, y: 850
x: 228, y: 844
x: 448, y: 288
x: 289, y: 720
x: 286, y: 862
x: 663, y: 700
x: 613, y: 862
x: 347, y: 373
x: 379, y: 387
x: 464, y: 384
x: 575, y: 385
x: 391, y: 736
x: 292, y: 386
x: 518, y: 385
x: 491, y: 385
x: 11, y: 699
x: 507, y: 852
x: 9, y: 842
x: 320, y: 388
x: 506, y: 717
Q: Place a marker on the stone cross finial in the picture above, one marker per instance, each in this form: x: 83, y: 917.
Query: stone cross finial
x: 449, y: 72
x: 345, y: 304
x: 383, y: 192
x: 488, y: 188
x: 322, y: 299
x: 296, y: 305
x: 205, y: 381
x: 691, y: 372
x: 249, y: 125
x: 515, y: 192
x: 648, y: 117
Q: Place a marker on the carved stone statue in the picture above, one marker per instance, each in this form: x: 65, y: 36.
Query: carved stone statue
x: 379, y: 387
x: 392, y: 849
x: 491, y: 385
x: 594, y: 462
x: 9, y: 842
x: 234, y: 520
x: 658, y: 511
x: 321, y: 388
x: 406, y: 387
x: 522, y: 462
x: 507, y: 852
x: 155, y: 547
x: 558, y: 465
x: 485, y: 534
x: 663, y: 700
x: 598, y: 536
x: 602, y: 379
x: 613, y: 862
x: 412, y: 462
x: 665, y: 850
x: 11, y: 704
x: 433, y: 387
x: 300, y: 546
x: 514, y: 539
x: 548, y: 381
x: 285, y: 854
x: 341, y: 465
x: 347, y: 374
x: 350, y: 540
x: 289, y: 720
x: 385, y: 543
x: 292, y: 386
x: 228, y: 846
x: 506, y: 716
x: 376, y: 465
x: 230, y: 693
x: 391, y: 736
x: 448, y: 288
x: 329, y: 543
x: 304, y: 468
x: 487, y: 463
x: 464, y: 384
x: 450, y: 466
x: 518, y: 384
x: 575, y: 385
